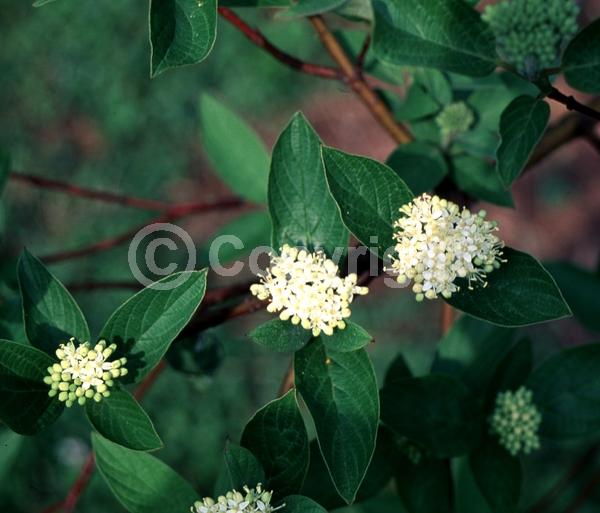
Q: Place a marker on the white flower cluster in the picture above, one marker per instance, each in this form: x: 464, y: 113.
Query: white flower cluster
x: 254, y: 501
x: 437, y: 243
x: 305, y: 287
x: 84, y: 372
x: 516, y: 421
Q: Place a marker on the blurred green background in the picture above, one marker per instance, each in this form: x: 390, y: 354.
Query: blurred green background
x: 78, y: 105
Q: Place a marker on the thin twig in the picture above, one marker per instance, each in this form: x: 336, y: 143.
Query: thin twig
x: 360, y: 58
x: 289, y: 60
x: 572, y: 104
x: 447, y: 317
x: 75, y: 190
x: 170, y: 215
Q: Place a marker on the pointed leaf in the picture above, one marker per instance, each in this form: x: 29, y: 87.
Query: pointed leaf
x: 277, y: 436
x: 120, y: 419
x: 181, y: 32
x: 141, y: 482
x: 50, y: 313
x: 351, y: 338
x: 581, y: 60
x: 444, y: 34
x: 301, y: 207
x: 234, y: 149
x: 279, y: 335
x: 145, y: 325
x: 241, y: 469
x: 340, y: 391
x: 301, y: 504
x: 369, y: 196
x: 522, y: 125
x: 519, y: 293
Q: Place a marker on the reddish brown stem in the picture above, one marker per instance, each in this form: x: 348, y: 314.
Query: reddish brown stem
x: 173, y: 214
x: 289, y: 60
x: 360, y: 59
x: 447, y: 317
x: 572, y: 104
x: 82, y: 192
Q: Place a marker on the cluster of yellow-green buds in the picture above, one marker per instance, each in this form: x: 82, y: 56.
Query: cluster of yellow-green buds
x: 531, y: 34
x: 409, y: 449
x: 455, y: 119
x: 84, y: 372
x: 516, y: 421
x: 254, y: 500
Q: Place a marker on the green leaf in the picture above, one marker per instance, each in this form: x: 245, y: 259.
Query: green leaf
x: 519, y: 293
x: 234, y: 149
x: 309, y: 8
x: 380, y: 470
x: 471, y: 351
x: 498, y: 476
x: 444, y: 34
x: 369, y: 196
x: 581, y: 60
x: 424, y: 487
x: 340, y: 391
x: 5, y: 169
x: 301, y: 504
x: 512, y: 371
x: 566, y: 390
x: 479, y: 179
x: 120, y: 419
x: 11, y: 444
x: 522, y: 125
x: 301, y: 207
x: 420, y: 165
x: 351, y: 338
x: 581, y: 289
x: 241, y: 468
x: 141, y: 482
x: 181, y: 32
x: 145, y: 325
x: 25, y: 406
x: 277, y: 436
x: 435, y: 83
x: 417, y: 104
x: 438, y: 412
x: 397, y: 370
x: 50, y: 313
x: 318, y: 484
x: 278, y: 335
x: 39, y: 3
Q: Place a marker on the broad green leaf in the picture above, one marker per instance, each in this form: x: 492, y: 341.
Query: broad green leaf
x: 498, y: 476
x: 181, y: 32
x: 356, y: 10
x: 420, y: 165
x: 278, y: 335
x: 309, y: 8
x: 522, y: 125
x: 369, y: 196
x: 397, y: 370
x: 50, y: 313
x: 425, y: 486
x: 381, y: 468
x: 145, y: 325
x: 471, y: 350
x: 318, y: 484
x: 302, y: 209
x: 340, y: 391
x: 443, y: 34
x: 438, y: 412
x: 120, y: 419
x: 301, y: 504
x: 234, y: 149
x: 479, y: 179
x: 25, y: 406
x: 141, y: 482
x: 581, y: 289
x: 5, y: 169
x: 240, y: 468
x: 566, y: 390
x: 513, y: 370
x: 581, y: 60
x: 351, y: 338
x: 418, y: 104
x: 435, y: 83
x: 11, y: 444
x: 277, y: 436
x: 256, y: 3
x: 519, y: 293
x: 39, y: 3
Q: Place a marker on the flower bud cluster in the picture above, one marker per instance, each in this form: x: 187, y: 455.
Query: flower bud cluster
x: 83, y: 372
x: 531, y: 34
x: 252, y: 501
x: 516, y: 421
x: 455, y: 119
x: 305, y: 288
x: 437, y: 243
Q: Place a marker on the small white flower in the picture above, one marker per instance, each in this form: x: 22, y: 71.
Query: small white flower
x: 437, y: 243
x: 255, y: 501
x: 305, y: 288
x: 83, y: 372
